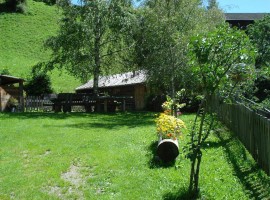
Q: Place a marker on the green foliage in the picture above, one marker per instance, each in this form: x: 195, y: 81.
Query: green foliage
x: 163, y: 33
x: 5, y: 71
x: 212, y: 4
x: 91, y: 38
x: 222, y: 63
x: 38, y: 84
x: 21, y: 43
x: 212, y: 70
x: 259, y: 34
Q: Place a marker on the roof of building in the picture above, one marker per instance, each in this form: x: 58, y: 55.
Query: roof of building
x: 129, y: 78
x: 6, y: 79
x: 244, y: 16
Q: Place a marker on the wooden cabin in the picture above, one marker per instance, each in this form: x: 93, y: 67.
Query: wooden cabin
x: 11, y: 93
x: 130, y: 84
x: 242, y: 20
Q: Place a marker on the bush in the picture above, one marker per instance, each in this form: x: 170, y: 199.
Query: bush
x: 21, y: 7
x: 5, y: 71
x: 38, y: 84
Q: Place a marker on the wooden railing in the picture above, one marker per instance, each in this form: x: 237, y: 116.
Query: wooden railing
x: 68, y: 102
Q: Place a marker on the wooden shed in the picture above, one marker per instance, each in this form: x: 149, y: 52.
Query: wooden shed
x: 11, y: 93
x: 242, y: 20
x: 126, y: 84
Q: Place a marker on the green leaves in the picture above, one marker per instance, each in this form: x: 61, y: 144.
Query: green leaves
x: 222, y: 56
x: 165, y: 30
x: 259, y: 33
x: 92, y: 37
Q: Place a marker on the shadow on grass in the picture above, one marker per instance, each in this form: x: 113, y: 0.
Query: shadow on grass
x: 255, y: 181
x: 94, y: 120
x: 154, y: 160
x: 38, y: 115
x: 216, y: 144
x: 181, y: 194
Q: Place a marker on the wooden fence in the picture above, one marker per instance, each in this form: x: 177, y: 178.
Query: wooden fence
x: 70, y: 102
x: 252, y: 128
x: 37, y: 103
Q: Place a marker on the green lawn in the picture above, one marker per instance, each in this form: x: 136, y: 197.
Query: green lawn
x: 21, y: 43
x: 98, y: 156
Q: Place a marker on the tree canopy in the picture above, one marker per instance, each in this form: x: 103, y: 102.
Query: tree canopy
x: 259, y: 33
x: 163, y: 34
x: 222, y: 63
x: 93, y: 38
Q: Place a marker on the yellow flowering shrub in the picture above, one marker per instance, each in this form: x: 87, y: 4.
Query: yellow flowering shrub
x: 169, y: 127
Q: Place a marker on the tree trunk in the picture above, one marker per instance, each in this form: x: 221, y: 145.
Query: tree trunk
x: 191, y: 177
x: 196, y: 156
x: 197, y: 173
x: 97, y: 31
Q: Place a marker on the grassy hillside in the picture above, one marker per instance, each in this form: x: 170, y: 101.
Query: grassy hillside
x: 21, y: 43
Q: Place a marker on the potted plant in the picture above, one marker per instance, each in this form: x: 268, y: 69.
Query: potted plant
x: 168, y: 131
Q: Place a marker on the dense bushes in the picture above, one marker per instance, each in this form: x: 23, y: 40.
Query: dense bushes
x: 38, y: 84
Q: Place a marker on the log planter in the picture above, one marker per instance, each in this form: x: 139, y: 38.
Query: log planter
x: 168, y: 149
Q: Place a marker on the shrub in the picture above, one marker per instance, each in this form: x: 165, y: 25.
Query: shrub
x: 38, y: 84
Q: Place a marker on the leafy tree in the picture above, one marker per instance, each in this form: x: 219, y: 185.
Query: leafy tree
x: 259, y: 33
x: 162, y: 38
x: 212, y: 4
x: 5, y: 71
x: 222, y: 64
x: 92, y: 38
x: 38, y: 84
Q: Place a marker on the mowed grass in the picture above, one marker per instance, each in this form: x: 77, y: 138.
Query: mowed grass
x: 21, y: 43
x: 112, y: 156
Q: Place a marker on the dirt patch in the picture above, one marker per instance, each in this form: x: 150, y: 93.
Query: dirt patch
x: 76, y: 180
x: 73, y: 176
x: 55, y: 190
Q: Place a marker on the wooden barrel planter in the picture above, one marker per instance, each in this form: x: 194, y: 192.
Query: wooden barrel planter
x: 168, y: 149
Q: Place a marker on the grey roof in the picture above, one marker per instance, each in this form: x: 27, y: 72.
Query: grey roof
x: 129, y: 78
x: 244, y: 16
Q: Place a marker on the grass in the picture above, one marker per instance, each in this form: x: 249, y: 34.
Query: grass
x: 98, y: 156
x: 21, y: 42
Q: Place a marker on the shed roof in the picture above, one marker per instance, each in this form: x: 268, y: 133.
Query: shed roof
x: 244, y: 16
x: 129, y: 78
x: 6, y: 79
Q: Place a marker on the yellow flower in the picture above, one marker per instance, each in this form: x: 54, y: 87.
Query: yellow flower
x: 169, y: 126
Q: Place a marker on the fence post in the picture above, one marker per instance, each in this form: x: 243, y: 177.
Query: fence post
x: 252, y: 129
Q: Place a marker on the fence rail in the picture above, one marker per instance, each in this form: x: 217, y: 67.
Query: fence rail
x: 70, y: 102
x: 37, y: 103
x: 252, y: 128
